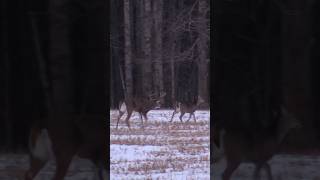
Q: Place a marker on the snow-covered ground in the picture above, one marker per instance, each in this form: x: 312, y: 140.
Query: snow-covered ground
x: 162, y: 150
x: 13, y: 167
x: 283, y: 167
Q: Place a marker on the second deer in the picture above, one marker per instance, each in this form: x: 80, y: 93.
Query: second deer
x: 186, y: 108
x: 237, y: 149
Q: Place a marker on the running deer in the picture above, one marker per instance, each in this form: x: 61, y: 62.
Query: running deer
x: 185, y: 108
x: 81, y: 135
x: 237, y: 149
x: 142, y: 105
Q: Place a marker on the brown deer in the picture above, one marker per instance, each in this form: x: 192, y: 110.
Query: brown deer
x: 81, y: 135
x: 185, y: 108
x: 142, y: 105
x: 237, y: 149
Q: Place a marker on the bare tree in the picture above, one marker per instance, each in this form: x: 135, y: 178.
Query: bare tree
x: 146, y: 47
x: 202, y: 48
x: 157, y: 17
x: 128, y: 50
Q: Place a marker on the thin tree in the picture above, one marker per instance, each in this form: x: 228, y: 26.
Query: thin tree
x: 157, y: 16
x: 146, y: 47
x: 128, y: 50
x: 202, y: 47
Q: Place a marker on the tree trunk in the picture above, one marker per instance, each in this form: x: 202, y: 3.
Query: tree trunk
x: 128, y: 50
x: 202, y: 45
x: 146, y: 47
x: 296, y: 47
x: 61, y: 57
x: 7, y: 66
x: 157, y: 15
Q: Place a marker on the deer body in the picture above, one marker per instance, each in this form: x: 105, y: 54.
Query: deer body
x: 186, y: 108
x: 82, y: 136
x: 237, y: 149
x: 142, y: 105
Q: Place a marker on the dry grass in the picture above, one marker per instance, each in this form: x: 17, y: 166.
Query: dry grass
x: 176, y: 147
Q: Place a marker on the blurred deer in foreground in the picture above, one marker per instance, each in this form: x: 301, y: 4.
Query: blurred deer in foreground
x: 142, y: 105
x: 237, y: 149
x: 186, y: 108
x: 80, y: 135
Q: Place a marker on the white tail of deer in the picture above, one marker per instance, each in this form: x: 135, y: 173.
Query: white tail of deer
x: 140, y: 105
x: 184, y: 108
x: 237, y: 149
x: 81, y: 136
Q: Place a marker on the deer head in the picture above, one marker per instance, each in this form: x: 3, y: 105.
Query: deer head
x: 160, y: 100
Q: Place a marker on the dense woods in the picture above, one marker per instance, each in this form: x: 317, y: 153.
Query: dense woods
x: 53, y: 61
x: 266, y: 56
x: 160, y: 46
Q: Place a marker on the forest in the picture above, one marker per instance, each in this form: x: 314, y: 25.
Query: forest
x: 160, y: 67
x: 160, y: 46
x: 265, y: 88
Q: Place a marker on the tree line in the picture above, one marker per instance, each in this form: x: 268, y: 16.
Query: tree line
x: 159, y: 46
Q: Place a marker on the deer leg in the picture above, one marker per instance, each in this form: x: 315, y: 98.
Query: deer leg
x: 127, y: 119
x: 174, y: 112
x: 100, y: 167
x: 35, y: 166
x: 181, y: 116
x: 189, y: 117
x: 256, y: 174
x: 38, y: 152
x: 231, y: 167
x: 100, y: 172
x: 142, y: 126
x: 268, y: 169
x: 194, y: 117
x: 141, y: 119
x: 120, y: 115
x: 145, y: 116
x: 63, y: 160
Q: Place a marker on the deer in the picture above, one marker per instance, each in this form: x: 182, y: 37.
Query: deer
x: 142, y: 105
x: 81, y: 135
x: 237, y: 149
x: 185, y: 108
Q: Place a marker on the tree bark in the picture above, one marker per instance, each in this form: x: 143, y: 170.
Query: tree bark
x: 157, y: 15
x: 297, y: 42
x: 61, y: 57
x: 146, y: 46
x: 128, y: 50
x: 7, y: 73
x: 202, y: 45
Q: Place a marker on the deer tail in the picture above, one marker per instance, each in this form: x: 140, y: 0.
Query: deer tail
x: 40, y: 144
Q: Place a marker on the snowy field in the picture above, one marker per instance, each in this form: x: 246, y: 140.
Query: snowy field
x: 284, y: 167
x: 162, y: 150
x: 13, y: 167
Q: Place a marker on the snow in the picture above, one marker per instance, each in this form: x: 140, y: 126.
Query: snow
x: 14, y: 166
x: 283, y: 167
x: 160, y: 150
x: 163, y: 150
